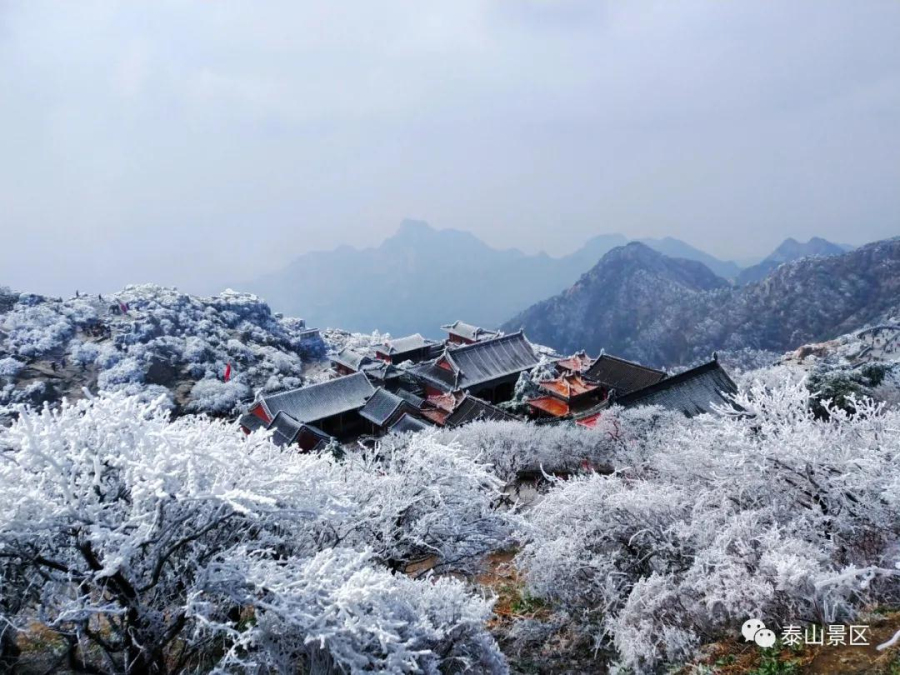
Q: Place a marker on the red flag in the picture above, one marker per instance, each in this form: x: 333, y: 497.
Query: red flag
x: 227, y: 372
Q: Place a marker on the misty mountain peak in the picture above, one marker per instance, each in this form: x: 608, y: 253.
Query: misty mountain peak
x: 411, y: 227
x: 636, y: 257
x: 788, y: 251
x: 791, y: 249
x: 419, y: 235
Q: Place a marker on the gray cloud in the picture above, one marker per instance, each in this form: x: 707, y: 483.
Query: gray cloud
x: 196, y: 143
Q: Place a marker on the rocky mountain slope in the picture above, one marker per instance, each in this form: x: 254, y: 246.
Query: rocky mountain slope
x: 421, y: 278
x: 152, y: 341
x: 641, y: 305
x: 789, y: 250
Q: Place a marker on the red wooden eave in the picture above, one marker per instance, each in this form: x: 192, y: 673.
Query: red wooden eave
x: 550, y: 405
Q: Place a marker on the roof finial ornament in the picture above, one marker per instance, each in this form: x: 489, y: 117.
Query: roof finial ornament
x: 716, y: 356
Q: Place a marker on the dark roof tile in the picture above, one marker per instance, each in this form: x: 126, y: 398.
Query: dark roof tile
x: 472, y: 409
x: 318, y: 401
x: 381, y: 406
x: 470, y: 332
x: 621, y: 375
x: 251, y: 422
x: 406, y: 423
x: 492, y: 359
x: 285, y: 429
x: 411, y: 398
x: 351, y: 359
x: 693, y: 392
x: 410, y: 343
x: 433, y: 374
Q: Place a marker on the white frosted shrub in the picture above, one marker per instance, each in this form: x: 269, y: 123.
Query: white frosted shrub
x: 514, y: 448
x: 770, y: 512
x: 216, y: 396
x: 150, y: 539
x: 126, y: 371
x: 10, y: 367
x: 196, y: 336
x: 340, y: 612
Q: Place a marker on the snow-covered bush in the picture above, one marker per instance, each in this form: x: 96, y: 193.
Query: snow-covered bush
x: 215, y: 396
x: 340, y: 612
x: 10, y: 367
x: 515, y: 448
x: 123, y: 533
x: 773, y: 512
x: 163, y: 338
x: 360, y: 342
x: 888, y: 390
x: 36, y: 329
x: 842, y: 385
x: 84, y: 353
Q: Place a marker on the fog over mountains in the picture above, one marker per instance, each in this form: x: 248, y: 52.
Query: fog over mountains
x: 789, y: 250
x: 422, y: 277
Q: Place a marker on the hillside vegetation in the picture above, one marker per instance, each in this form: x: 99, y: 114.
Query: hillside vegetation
x: 665, y: 311
x: 185, y: 545
x: 148, y: 340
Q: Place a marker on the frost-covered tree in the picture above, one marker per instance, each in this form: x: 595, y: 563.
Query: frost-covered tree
x: 529, y: 380
x: 774, y: 511
x: 523, y: 448
x: 147, y: 544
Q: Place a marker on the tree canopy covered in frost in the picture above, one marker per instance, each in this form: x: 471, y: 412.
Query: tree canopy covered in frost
x: 152, y: 543
x: 517, y: 448
x: 778, y: 512
x: 338, y: 611
x: 149, y: 340
x: 360, y: 342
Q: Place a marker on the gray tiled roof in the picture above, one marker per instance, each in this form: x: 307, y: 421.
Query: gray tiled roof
x: 469, y: 332
x: 286, y: 431
x: 316, y: 402
x: 350, y: 358
x: 436, y: 376
x: 410, y: 343
x: 251, y: 422
x: 411, y: 398
x: 621, y: 375
x: 492, y: 359
x: 379, y: 370
x: 284, y: 428
x: 472, y: 409
x: 382, y: 404
x: 693, y: 392
x: 479, y: 363
x: 406, y: 423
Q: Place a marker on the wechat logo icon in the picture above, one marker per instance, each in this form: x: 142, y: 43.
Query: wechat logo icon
x: 755, y: 630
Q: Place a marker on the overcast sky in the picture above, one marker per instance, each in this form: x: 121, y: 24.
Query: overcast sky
x: 199, y: 143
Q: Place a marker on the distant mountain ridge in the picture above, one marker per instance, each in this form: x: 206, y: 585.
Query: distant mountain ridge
x: 642, y: 305
x: 415, y: 281
x: 675, y: 248
x: 422, y: 277
x: 789, y: 250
